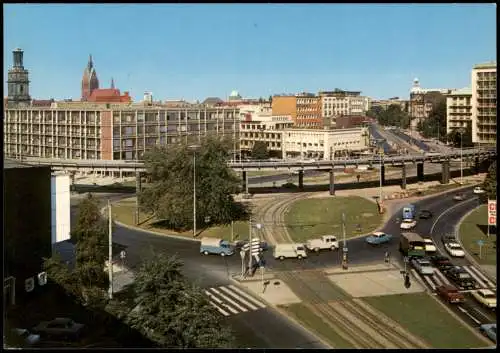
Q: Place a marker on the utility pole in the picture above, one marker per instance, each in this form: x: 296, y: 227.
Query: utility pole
x: 110, y: 250
x: 194, y: 194
x: 232, y: 230
x: 250, y: 241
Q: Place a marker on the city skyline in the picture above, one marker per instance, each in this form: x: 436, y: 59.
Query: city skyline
x: 258, y: 50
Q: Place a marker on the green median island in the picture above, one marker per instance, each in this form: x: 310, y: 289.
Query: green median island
x: 428, y: 319
x: 473, y: 229
x: 124, y: 212
x: 312, y: 218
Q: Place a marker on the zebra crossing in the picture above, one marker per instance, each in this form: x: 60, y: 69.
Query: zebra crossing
x: 231, y: 300
x: 439, y: 279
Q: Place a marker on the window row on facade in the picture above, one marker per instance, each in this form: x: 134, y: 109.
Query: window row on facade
x: 165, y: 115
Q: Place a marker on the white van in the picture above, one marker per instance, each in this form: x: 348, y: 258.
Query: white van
x: 284, y: 251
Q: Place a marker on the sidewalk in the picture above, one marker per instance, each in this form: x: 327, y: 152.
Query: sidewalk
x: 489, y: 270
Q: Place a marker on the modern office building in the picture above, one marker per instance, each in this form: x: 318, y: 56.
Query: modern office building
x: 26, y: 228
x: 304, y: 108
x: 458, y: 109
x: 484, y: 103
x: 81, y: 130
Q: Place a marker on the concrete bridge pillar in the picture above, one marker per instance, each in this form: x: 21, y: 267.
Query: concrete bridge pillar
x: 332, y: 182
x: 301, y: 179
x: 420, y: 171
x: 244, y: 181
x: 403, y: 177
x: 137, y: 191
x: 382, y: 174
x: 445, y: 172
x: 477, y: 165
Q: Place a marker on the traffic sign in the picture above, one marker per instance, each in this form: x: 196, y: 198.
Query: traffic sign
x: 480, y: 242
x: 255, y: 247
x: 345, y: 249
x: 242, y: 253
x: 245, y: 247
x: 492, y: 212
x: 406, y: 259
x: 123, y: 254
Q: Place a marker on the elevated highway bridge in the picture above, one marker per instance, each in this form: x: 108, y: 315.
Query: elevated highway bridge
x: 105, y: 167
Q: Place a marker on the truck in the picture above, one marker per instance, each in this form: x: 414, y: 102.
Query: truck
x: 326, y: 242
x: 409, y: 212
x: 216, y: 246
x: 290, y: 251
x: 412, y: 245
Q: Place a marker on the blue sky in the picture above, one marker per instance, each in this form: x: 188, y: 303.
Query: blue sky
x: 196, y: 51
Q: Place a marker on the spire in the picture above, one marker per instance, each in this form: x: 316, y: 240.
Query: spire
x: 90, y: 64
x: 112, y: 83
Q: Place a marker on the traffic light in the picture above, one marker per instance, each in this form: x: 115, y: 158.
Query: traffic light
x: 407, y: 281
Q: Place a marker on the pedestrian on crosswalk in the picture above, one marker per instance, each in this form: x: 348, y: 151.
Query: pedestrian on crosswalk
x: 387, y: 257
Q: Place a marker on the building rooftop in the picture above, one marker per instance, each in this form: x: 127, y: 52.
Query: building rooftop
x: 488, y: 65
x: 461, y: 92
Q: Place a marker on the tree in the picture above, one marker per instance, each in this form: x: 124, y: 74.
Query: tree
x: 259, y: 150
x: 392, y: 116
x: 87, y: 281
x: 172, y: 312
x: 459, y: 138
x: 170, y: 197
x: 435, y: 124
x: 490, y: 182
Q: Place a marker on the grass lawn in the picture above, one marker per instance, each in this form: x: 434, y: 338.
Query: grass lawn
x: 310, y: 320
x: 425, y: 317
x: 124, y: 212
x: 311, y: 218
x: 474, y: 228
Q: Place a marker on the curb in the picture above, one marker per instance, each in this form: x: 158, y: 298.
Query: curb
x: 467, y: 255
x: 284, y: 314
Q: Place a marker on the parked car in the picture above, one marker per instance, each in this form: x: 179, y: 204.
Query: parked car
x: 450, y: 293
x: 408, y: 224
x: 30, y: 339
x: 459, y: 197
x: 454, y: 249
x: 378, y: 238
x: 59, y: 327
x: 425, y: 214
x: 442, y: 263
x: 423, y: 266
x: 461, y: 277
x: 486, y: 297
x: 490, y: 331
x: 429, y: 246
x: 478, y: 190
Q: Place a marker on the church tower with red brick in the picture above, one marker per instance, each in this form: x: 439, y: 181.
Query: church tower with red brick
x: 89, y: 80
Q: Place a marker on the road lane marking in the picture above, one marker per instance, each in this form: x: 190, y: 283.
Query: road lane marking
x: 229, y: 300
x: 469, y: 315
x: 221, y: 302
x: 253, y: 300
x: 441, y: 276
x: 251, y: 306
x: 480, y: 275
x: 448, y: 210
x: 474, y: 276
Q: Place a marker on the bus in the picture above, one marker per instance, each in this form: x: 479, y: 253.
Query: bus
x: 412, y: 245
x: 409, y: 211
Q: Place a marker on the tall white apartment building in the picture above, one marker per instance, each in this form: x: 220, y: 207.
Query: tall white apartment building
x: 484, y: 103
x: 458, y: 109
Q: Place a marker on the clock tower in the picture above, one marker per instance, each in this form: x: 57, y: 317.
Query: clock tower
x: 18, y: 82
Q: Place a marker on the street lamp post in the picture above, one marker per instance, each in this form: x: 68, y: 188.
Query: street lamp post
x: 194, y: 148
x: 461, y: 157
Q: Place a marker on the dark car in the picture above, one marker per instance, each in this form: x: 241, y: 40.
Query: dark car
x: 461, y: 277
x: 425, y: 214
x: 59, y: 327
x: 447, y: 238
x: 442, y: 263
x: 450, y: 293
x: 459, y: 197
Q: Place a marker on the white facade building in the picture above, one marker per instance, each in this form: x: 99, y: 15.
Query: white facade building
x: 335, y: 104
x: 458, y: 109
x: 484, y: 103
x: 324, y: 144
x: 61, y: 206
